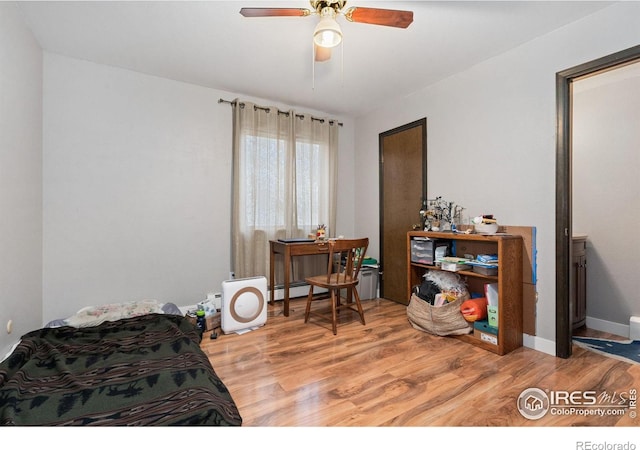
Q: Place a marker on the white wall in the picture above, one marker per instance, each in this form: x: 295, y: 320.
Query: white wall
x: 606, y: 189
x: 137, y: 187
x: 20, y: 178
x: 491, y: 137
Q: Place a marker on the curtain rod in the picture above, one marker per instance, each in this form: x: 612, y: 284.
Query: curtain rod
x: 221, y: 100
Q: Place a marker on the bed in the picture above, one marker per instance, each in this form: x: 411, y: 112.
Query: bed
x: 136, y: 369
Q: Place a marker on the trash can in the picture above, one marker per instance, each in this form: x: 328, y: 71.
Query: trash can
x: 368, y: 283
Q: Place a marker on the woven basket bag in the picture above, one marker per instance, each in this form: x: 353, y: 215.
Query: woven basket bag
x: 439, y: 320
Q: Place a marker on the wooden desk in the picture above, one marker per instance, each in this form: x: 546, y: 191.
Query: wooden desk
x: 289, y: 249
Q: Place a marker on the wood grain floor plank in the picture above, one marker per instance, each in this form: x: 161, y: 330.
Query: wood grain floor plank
x: 388, y: 374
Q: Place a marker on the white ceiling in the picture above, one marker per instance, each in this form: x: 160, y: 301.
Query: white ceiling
x: 209, y: 43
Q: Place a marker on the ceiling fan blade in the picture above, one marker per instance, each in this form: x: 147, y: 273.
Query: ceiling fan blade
x: 321, y: 53
x: 274, y: 12
x: 376, y: 16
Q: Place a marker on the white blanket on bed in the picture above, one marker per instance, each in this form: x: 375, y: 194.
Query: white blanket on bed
x: 94, y: 315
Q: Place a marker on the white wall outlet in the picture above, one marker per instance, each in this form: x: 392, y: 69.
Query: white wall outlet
x: 232, y: 275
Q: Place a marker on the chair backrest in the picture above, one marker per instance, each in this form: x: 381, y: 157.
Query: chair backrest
x: 347, y: 255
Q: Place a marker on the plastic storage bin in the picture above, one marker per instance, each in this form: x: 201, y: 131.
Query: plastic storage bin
x: 368, y: 283
x: 424, y: 251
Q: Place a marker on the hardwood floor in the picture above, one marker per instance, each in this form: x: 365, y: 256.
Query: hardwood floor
x: 386, y: 373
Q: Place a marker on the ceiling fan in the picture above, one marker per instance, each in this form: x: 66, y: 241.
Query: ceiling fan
x: 327, y: 33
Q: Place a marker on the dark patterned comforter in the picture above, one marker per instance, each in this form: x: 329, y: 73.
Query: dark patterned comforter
x: 146, y: 370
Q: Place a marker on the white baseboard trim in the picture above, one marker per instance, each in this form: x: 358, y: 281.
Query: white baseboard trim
x: 634, y: 328
x: 608, y: 327
x: 549, y: 346
x: 539, y: 344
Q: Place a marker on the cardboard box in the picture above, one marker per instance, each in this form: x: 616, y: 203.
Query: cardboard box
x: 486, y: 337
x: 484, y: 327
x: 485, y: 332
x: 213, y: 321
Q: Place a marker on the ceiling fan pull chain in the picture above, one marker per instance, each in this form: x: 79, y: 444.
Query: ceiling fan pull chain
x: 342, y: 63
x: 313, y: 66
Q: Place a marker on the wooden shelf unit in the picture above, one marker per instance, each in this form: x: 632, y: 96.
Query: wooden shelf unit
x: 509, y: 249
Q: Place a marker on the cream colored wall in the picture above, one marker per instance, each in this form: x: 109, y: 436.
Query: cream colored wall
x: 20, y: 178
x: 137, y: 187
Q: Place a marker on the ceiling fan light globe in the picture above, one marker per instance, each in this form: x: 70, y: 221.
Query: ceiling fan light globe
x: 327, y: 33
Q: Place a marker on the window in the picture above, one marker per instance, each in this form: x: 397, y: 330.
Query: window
x: 284, y: 181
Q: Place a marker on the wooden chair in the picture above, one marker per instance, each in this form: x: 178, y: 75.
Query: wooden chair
x: 345, y: 260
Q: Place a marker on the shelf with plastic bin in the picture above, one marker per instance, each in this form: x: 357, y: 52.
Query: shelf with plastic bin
x: 509, y: 249
x: 464, y: 273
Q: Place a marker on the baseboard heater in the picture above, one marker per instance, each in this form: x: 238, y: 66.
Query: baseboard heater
x: 297, y: 289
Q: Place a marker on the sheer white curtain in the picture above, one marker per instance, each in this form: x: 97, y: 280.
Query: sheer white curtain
x: 284, y: 181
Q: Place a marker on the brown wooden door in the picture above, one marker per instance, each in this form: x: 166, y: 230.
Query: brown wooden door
x: 403, y: 185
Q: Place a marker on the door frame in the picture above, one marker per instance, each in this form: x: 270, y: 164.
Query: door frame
x: 417, y: 123
x: 564, y: 222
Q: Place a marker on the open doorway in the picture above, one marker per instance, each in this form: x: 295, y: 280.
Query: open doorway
x: 564, y: 199
x: 606, y: 206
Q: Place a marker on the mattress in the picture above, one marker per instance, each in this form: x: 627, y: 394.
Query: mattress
x: 143, y: 370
